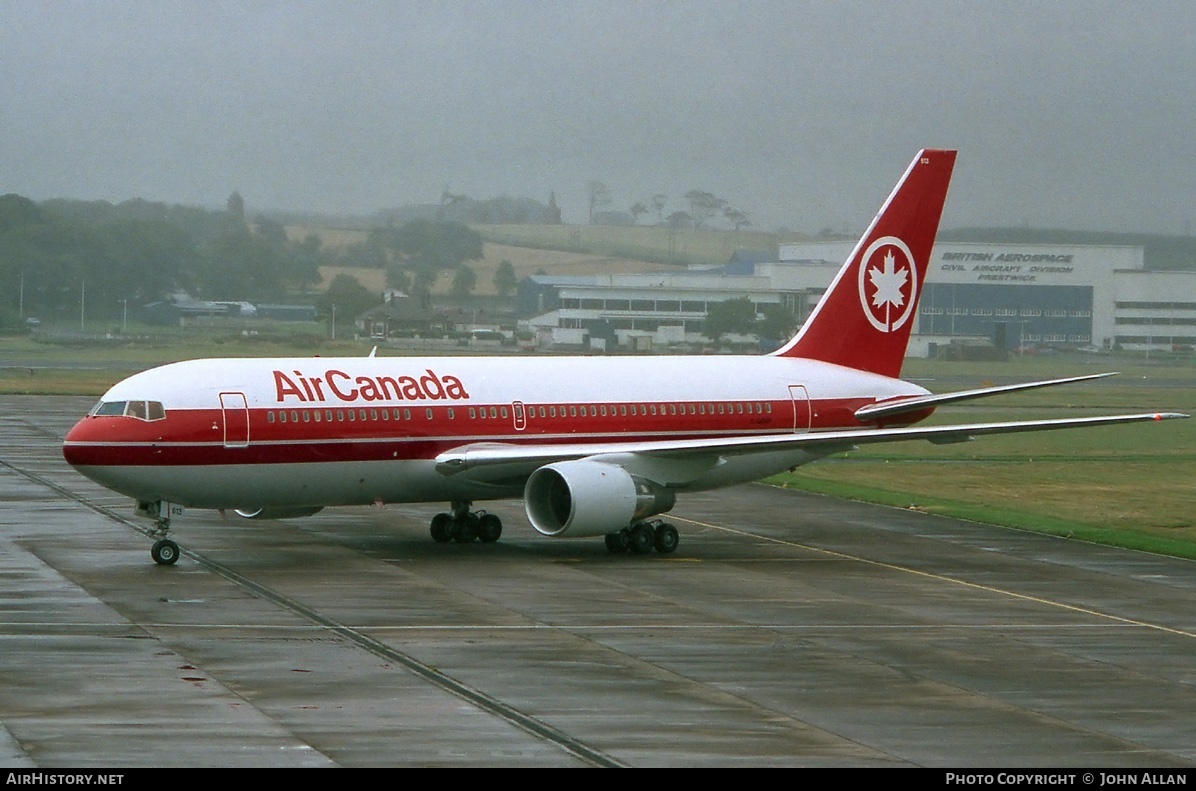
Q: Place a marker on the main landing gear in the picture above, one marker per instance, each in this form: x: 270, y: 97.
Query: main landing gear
x: 642, y: 537
x: 463, y: 525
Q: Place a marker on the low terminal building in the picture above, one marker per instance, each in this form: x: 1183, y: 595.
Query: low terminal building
x: 641, y: 312
x: 1012, y: 295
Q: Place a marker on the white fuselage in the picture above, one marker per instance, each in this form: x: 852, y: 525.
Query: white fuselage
x: 254, y: 433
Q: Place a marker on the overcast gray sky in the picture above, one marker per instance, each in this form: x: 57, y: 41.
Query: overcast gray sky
x: 803, y: 114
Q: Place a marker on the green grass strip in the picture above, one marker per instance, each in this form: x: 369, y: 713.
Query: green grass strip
x: 1004, y: 517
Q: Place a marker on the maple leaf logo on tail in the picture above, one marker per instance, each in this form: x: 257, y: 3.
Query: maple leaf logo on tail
x: 888, y: 285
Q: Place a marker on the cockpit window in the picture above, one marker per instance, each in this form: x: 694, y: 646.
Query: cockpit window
x: 109, y: 408
x: 142, y: 410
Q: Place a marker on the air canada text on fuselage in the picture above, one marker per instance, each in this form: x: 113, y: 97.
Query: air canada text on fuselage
x: 336, y: 385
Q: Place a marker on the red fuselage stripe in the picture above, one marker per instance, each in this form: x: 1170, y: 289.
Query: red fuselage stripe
x: 202, y: 437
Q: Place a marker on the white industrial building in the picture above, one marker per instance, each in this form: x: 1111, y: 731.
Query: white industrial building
x: 1012, y: 294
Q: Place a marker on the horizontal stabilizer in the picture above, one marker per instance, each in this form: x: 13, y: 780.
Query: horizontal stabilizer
x: 900, y: 406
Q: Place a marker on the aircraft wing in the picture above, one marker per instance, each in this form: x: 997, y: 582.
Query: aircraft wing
x: 475, y: 455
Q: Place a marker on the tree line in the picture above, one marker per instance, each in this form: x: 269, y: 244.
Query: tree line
x: 703, y: 208
x: 116, y: 257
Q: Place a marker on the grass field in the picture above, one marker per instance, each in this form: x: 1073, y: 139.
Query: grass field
x: 649, y: 243
x: 546, y: 246
x: 33, y: 366
x: 524, y: 261
x: 1127, y: 485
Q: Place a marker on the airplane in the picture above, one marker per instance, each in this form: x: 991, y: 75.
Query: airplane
x: 595, y: 445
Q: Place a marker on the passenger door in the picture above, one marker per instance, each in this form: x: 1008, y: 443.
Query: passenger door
x: 801, y: 408
x: 236, y: 420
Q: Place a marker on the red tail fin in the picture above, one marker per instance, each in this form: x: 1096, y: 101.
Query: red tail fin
x: 864, y: 319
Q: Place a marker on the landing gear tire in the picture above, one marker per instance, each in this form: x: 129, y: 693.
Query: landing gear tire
x: 465, y: 529
x: 617, y: 542
x: 667, y: 538
x: 165, y: 552
x: 489, y: 528
x: 640, y: 539
x: 463, y: 526
x: 442, y: 528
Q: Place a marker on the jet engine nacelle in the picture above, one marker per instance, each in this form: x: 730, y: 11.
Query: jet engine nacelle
x: 590, y: 498
x: 279, y: 513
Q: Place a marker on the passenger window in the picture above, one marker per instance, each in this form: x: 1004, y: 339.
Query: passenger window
x: 282, y: 417
x: 451, y: 416
x: 270, y: 417
x: 429, y: 414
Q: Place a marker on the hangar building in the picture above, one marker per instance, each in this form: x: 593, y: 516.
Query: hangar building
x: 1016, y: 295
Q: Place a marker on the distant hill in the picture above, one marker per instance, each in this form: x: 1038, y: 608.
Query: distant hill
x: 1161, y: 252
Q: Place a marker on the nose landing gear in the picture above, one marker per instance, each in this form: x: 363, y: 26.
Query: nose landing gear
x: 164, y: 551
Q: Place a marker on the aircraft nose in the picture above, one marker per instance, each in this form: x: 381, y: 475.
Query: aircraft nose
x: 71, y: 450
x: 88, y: 443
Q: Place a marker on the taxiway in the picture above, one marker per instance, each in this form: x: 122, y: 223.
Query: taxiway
x: 787, y: 630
